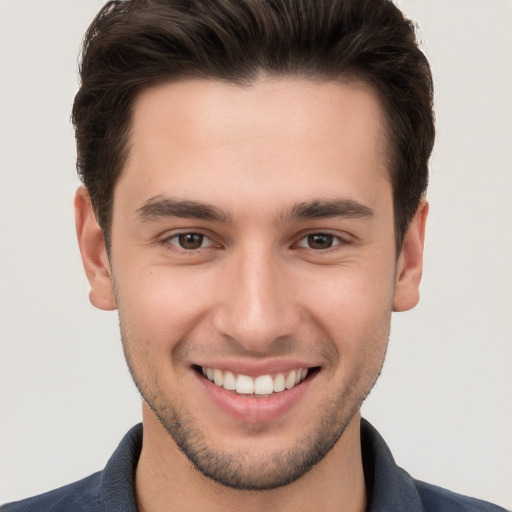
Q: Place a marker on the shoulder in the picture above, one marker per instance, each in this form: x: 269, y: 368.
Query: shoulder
x: 79, y: 496
x: 437, y: 499
x: 112, y: 488
x: 392, y: 488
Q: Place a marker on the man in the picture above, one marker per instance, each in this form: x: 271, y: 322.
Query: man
x: 254, y: 208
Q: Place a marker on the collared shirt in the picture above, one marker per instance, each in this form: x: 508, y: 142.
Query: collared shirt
x: 389, y: 487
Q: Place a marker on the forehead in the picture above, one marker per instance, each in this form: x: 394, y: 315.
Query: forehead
x: 275, y: 137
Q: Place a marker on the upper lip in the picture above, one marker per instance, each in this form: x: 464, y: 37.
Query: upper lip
x: 257, y: 368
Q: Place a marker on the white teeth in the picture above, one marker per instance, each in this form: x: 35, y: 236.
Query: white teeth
x: 262, y: 385
x: 290, y: 380
x: 279, y: 383
x: 229, y: 381
x: 244, y: 385
x: 218, y: 377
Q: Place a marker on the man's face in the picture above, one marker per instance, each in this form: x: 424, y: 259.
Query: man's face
x: 253, y: 248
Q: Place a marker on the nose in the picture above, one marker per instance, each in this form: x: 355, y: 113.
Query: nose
x: 256, y: 306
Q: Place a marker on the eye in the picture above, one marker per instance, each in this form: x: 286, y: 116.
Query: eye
x: 190, y: 241
x: 319, y: 241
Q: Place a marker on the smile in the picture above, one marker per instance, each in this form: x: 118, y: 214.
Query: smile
x: 262, y: 385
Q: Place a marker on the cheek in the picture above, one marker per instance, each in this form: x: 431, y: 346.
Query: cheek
x: 157, y: 313
x: 353, y: 307
x: 159, y: 306
x: 356, y: 293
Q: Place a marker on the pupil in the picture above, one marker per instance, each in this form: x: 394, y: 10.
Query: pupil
x: 320, y: 241
x: 191, y: 240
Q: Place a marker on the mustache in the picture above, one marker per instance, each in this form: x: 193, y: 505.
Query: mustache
x: 280, y: 348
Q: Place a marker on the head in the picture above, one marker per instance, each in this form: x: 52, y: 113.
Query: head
x: 253, y: 168
x: 134, y: 44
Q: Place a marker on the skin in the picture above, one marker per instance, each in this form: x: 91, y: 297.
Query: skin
x: 256, y: 293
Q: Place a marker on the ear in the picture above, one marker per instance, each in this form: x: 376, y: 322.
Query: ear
x: 94, y: 253
x: 410, y: 262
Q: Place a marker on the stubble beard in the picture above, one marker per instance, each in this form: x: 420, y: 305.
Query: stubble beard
x: 252, y: 471
x: 249, y: 471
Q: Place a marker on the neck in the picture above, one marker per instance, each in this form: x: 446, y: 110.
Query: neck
x: 167, y: 480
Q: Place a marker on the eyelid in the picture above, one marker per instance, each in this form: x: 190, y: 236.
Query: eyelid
x: 209, y: 241
x: 338, y: 240
x: 168, y: 237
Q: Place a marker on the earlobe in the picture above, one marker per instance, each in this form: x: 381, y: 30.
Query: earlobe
x: 93, y: 251
x: 410, y: 262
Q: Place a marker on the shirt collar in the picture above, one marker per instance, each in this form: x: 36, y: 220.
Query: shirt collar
x: 389, y: 487
x: 117, y: 493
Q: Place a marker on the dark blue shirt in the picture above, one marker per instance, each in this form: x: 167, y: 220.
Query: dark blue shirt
x: 390, y: 488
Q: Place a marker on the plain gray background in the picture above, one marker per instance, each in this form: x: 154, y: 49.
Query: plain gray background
x: 444, y: 401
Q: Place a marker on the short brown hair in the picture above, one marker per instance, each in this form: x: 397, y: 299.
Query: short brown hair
x: 133, y: 44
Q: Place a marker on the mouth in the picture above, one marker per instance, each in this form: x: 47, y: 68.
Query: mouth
x: 264, y: 385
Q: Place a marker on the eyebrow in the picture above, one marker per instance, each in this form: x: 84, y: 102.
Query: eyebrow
x: 161, y: 208
x: 321, y: 209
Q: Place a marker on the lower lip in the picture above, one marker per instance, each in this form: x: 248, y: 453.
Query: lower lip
x: 254, y: 409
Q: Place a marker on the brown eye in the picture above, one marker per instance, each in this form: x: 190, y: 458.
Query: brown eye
x: 189, y: 241
x: 320, y: 241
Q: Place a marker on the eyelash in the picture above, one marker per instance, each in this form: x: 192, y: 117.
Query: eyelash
x: 334, y: 240
x: 204, y: 237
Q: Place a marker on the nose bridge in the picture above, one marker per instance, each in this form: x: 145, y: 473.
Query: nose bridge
x: 256, y: 309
